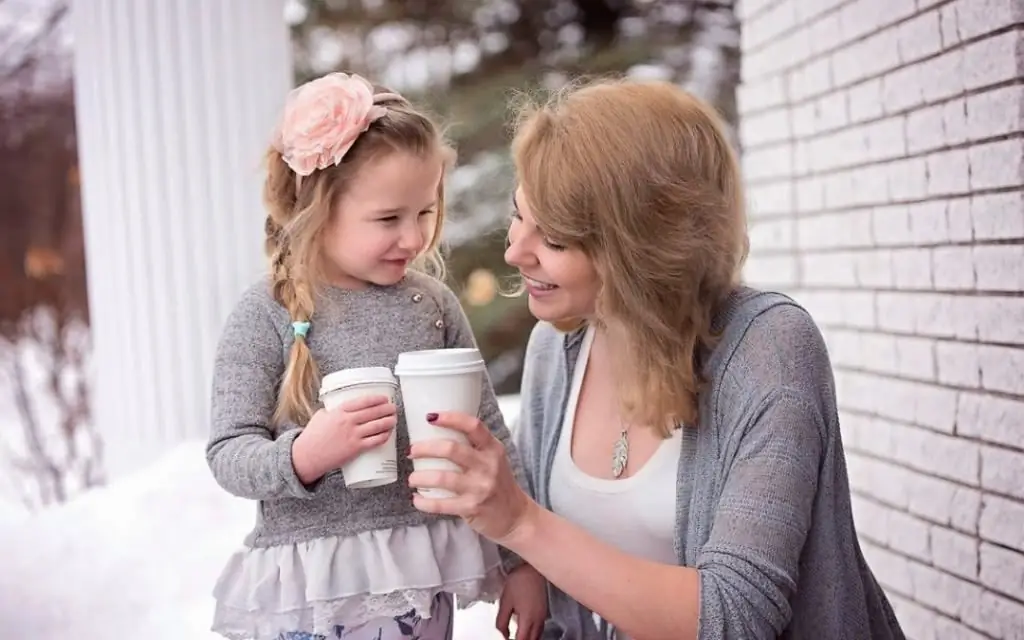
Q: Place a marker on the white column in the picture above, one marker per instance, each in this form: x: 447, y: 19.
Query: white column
x: 176, y: 101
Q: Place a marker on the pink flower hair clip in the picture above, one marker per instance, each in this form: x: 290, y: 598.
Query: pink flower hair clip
x: 323, y: 118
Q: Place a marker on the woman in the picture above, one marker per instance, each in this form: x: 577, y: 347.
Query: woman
x: 686, y: 472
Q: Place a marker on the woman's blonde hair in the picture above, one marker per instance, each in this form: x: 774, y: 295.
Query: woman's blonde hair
x: 641, y: 177
x: 299, y: 210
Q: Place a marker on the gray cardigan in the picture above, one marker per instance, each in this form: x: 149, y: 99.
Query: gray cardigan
x: 762, y: 497
x: 366, y: 328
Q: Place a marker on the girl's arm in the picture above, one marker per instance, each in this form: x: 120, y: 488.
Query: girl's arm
x: 242, y: 452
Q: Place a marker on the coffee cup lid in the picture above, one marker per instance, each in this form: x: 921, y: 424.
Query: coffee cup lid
x: 357, y: 376
x: 439, y: 361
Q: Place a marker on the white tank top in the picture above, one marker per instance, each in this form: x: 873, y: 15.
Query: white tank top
x: 635, y: 514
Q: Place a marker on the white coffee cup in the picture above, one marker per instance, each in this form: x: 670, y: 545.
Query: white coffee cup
x: 377, y: 466
x: 435, y: 381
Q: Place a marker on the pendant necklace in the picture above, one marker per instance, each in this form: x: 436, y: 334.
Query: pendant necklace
x: 620, y: 453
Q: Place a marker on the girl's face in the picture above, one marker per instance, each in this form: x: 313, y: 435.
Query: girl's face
x: 383, y: 221
x: 562, y: 282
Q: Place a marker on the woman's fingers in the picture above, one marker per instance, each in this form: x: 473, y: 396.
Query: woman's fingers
x: 371, y: 413
x: 475, y: 430
x: 456, y: 452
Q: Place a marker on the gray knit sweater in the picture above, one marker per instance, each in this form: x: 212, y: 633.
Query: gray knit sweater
x: 762, y: 498
x: 362, y: 328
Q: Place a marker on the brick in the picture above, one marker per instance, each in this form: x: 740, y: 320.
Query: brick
x: 920, y: 37
x: 916, y: 621
x: 1000, y: 522
x: 912, y: 268
x: 1002, y: 570
x: 924, y: 129
x: 941, y: 77
x: 954, y: 121
x: 886, y: 138
x: 760, y: 94
x: 979, y: 17
x: 929, y: 224
x: 997, y: 164
x: 891, y: 570
x: 999, y: 267
x: 1000, y: 319
x: 764, y: 128
x: 770, y: 199
x: 958, y: 364
x: 811, y: 79
x: 944, y: 592
x: 771, y: 271
x: 953, y: 268
x: 948, y: 23
x: 936, y: 453
x: 992, y: 419
x: 767, y: 163
x: 958, y: 220
x: 997, y: 616
x: 947, y: 629
x: 997, y: 112
x: 908, y: 179
x: 998, y: 216
x: 771, y: 236
x: 915, y: 358
x: 826, y: 32
x: 830, y: 112
x: 948, y: 172
x: 943, y: 502
x: 905, y: 88
x: 864, y: 100
x: 991, y: 60
x: 891, y: 225
x: 1002, y: 471
x: 810, y: 195
x: 1002, y: 368
x: 954, y: 552
x: 827, y: 269
x: 874, y: 269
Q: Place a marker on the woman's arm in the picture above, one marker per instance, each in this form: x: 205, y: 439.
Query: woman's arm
x: 745, y: 573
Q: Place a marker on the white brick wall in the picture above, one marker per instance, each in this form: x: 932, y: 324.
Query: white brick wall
x: 884, y: 153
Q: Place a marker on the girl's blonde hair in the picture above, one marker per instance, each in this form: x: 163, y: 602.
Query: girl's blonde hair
x: 641, y: 177
x: 299, y: 210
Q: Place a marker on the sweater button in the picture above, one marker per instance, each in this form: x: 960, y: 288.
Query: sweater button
x: 439, y: 324
x: 417, y: 297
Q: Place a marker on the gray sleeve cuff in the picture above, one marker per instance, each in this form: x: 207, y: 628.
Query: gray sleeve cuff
x: 285, y: 467
x: 509, y: 561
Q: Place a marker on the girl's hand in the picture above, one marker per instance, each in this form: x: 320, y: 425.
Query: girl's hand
x: 332, y: 438
x: 526, y: 597
x: 486, y: 493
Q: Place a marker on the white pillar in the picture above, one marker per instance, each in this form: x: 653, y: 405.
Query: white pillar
x: 176, y: 100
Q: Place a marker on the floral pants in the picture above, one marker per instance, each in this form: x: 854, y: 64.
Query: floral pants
x: 408, y: 626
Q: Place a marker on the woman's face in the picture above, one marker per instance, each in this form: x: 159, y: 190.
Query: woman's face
x: 562, y: 282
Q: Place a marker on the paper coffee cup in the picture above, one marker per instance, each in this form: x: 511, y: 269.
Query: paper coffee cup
x: 377, y: 466
x: 434, y: 381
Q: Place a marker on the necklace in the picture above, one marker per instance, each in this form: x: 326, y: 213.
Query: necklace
x: 620, y: 453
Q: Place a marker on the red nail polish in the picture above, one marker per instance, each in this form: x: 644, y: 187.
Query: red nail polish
x: 432, y: 417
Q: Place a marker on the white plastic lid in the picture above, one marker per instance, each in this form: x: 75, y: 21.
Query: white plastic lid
x: 439, y: 362
x: 358, y: 376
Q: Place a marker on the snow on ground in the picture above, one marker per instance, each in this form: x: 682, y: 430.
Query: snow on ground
x: 137, y: 559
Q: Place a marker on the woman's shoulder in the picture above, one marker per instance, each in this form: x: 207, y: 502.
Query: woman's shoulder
x: 768, y: 342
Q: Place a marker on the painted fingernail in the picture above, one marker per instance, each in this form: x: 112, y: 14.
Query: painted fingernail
x: 432, y: 417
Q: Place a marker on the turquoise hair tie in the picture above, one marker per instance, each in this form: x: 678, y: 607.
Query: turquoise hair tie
x: 300, y: 329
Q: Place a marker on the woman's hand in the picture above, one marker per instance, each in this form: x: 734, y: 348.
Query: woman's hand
x: 486, y: 496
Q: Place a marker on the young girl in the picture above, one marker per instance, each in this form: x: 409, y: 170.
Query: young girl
x: 356, y: 202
